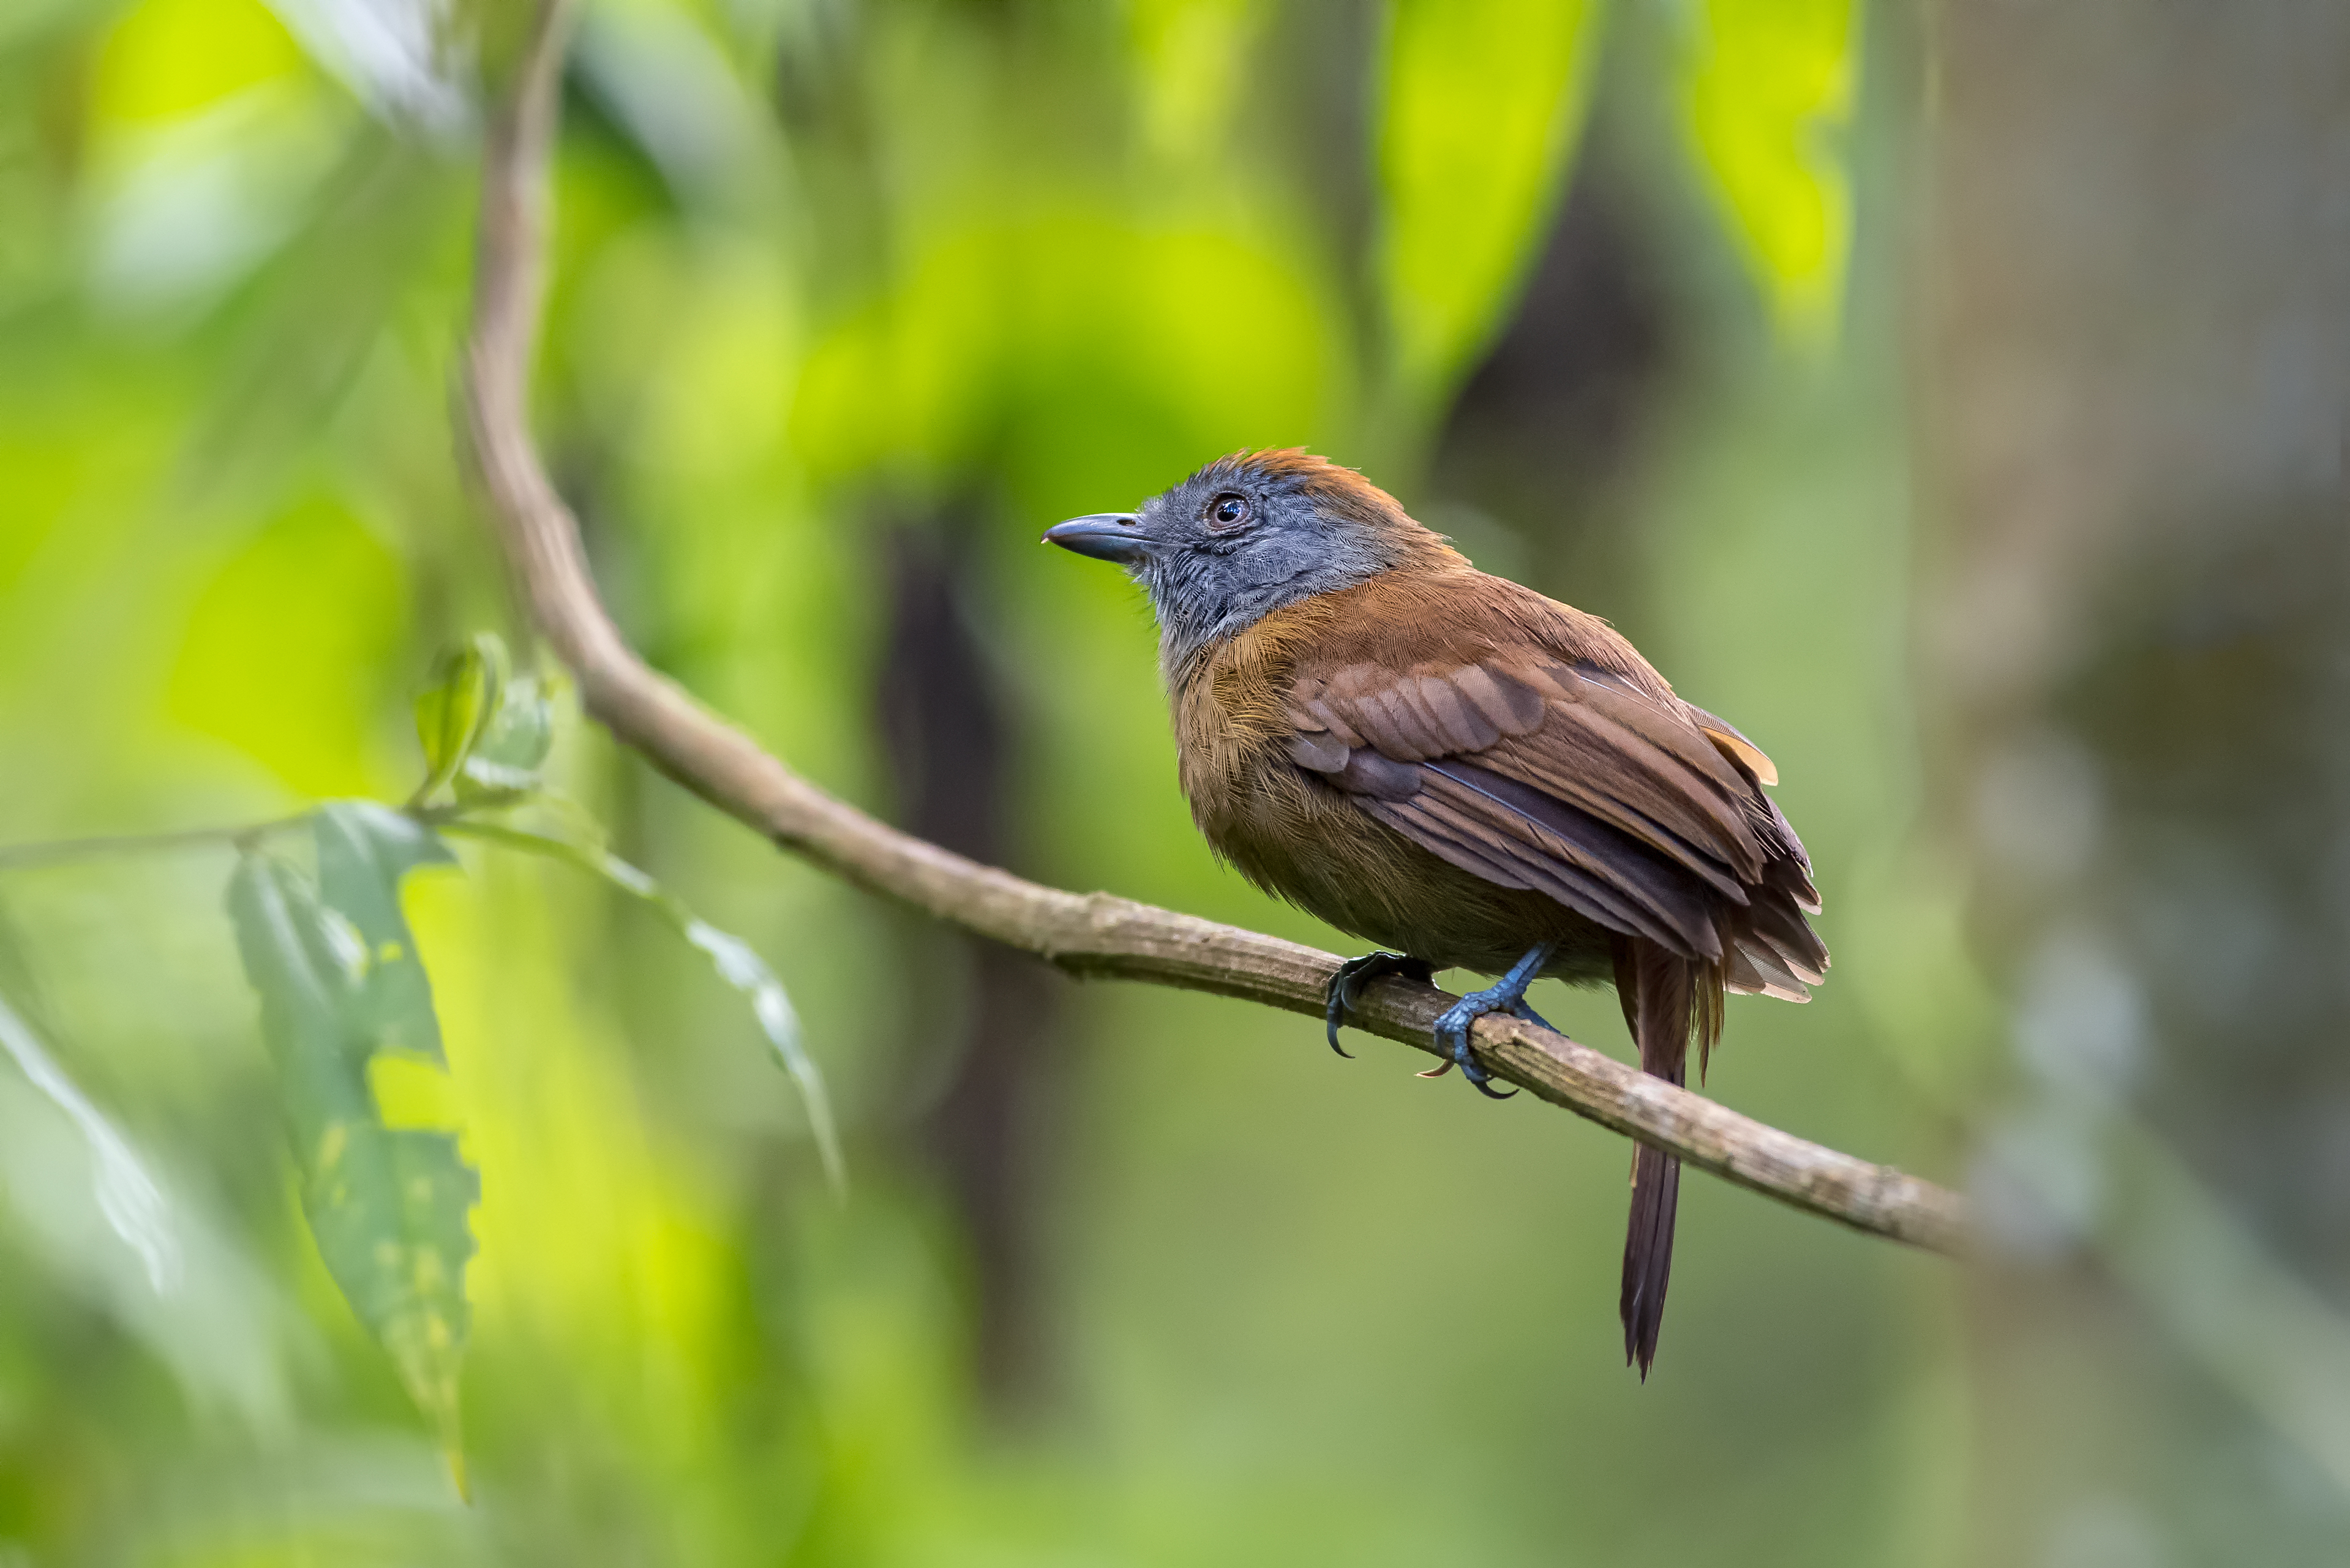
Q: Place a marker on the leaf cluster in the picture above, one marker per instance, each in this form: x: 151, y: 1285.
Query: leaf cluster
x: 344, y: 988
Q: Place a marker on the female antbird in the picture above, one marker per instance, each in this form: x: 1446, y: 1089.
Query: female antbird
x: 1454, y: 766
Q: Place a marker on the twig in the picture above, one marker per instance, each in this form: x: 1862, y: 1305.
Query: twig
x: 1087, y: 934
x: 18, y: 855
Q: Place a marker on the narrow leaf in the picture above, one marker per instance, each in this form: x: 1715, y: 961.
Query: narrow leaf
x: 737, y: 962
x: 1191, y: 59
x: 1766, y: 88
x: 129, y: 1197
x: 1482, y: 102
x: 387, y: 1207
x: 746, y: 971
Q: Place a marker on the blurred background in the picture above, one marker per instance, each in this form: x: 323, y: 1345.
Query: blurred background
x: 1953, y: 395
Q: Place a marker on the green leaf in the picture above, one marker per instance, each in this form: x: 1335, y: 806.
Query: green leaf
x: 130, y: 1198
x: 364, y: 849
x: 504, y: 764
x: 1766, y: 89
x: 486, y: 731
x: 1484, y: 100
x: 387, y: 1207
x: 453, y: 711
x: 737, y: 962
x: 389, y: 1210
x: 1191, y: 58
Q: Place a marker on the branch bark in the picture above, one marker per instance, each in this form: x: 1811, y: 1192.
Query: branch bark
x: 1085, y: 933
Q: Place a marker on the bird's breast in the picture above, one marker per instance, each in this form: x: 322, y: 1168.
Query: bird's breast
x: 1253, y: 804
x: 1291, y: 834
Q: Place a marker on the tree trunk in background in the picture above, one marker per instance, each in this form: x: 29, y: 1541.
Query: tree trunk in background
x: 980, y: 1048
x: 2136, y: 622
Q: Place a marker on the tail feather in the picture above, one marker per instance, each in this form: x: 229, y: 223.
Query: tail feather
x: 1666, y: 999
x: 1648, y: 1252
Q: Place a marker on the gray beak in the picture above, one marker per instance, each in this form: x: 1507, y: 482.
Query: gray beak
x: 1105, y: 535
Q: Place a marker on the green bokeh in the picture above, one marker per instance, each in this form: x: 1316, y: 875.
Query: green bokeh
x: 819, y: 267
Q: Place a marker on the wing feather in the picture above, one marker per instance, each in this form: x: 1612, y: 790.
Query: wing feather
x: 1559, y: 763
x: 1534, y: 771
x: 1594, y: 886
x: 1560, y: 832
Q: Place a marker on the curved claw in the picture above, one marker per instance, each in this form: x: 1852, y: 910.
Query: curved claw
x: 1506, y: 995
x: 1484, y: 1086
x: 1347, y: 987
x: 1334, y: 1014
x: 1453, y: 1026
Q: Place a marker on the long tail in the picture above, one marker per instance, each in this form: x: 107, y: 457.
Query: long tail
x: 1666, y: 999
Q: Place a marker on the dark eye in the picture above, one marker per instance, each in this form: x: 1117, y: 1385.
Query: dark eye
x: 1227, y: 511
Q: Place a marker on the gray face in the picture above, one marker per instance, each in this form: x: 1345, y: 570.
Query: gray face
x: 1229, y: 546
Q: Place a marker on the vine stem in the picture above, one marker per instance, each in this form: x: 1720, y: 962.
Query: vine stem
x: 1085, y: 933
x: 14, y: 856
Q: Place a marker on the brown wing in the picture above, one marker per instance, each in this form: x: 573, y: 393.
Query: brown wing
x: 1532, y: 771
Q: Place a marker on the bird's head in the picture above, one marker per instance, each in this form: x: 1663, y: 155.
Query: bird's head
x: 1247, y: 535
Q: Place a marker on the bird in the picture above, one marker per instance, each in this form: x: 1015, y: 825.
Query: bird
x: 1467, y: 775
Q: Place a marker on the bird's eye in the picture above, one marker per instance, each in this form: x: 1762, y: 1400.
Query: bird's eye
x: 1227, y: 511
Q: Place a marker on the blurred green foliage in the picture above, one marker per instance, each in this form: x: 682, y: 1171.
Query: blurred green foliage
x: 1767, y: 90
x: 1483, y: 101
x: 819, y: 267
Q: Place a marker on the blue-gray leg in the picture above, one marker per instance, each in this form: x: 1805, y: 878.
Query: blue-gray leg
x: 1508, y: 995
x: 1346, y: 986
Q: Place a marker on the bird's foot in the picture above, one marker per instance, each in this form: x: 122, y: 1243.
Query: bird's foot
x: 1346, y: 986
x: 1507, y: 994
x: 1520, y: 1011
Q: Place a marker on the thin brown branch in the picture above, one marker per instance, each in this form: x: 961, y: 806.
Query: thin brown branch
x: 1087, y: 934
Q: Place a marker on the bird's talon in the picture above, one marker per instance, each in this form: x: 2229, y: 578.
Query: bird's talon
x: 1483, y: 1081
x: 1507, y: 994
x: 1333, y: 1015
x: 1347, y: 987
x: 1479, y: 1078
